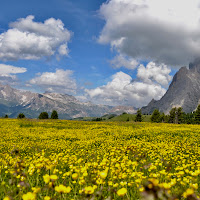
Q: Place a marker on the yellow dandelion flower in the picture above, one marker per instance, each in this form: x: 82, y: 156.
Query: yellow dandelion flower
x: 53, y: 177
x: 46, y: 178
x: 36, y: 189
x: 188, y: 192
x: 75, y: 176
x: 121, y: 192
x: 89, y: 190
x: 6, y: 198
x: 29, y: 196
x: 47, y: 198
x: 63, y: 189
x: 103, y: 174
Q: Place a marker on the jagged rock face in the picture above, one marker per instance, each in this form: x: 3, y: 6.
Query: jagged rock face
x: 184, y: 91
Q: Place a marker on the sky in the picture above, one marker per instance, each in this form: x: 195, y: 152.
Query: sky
x: 115, y: 52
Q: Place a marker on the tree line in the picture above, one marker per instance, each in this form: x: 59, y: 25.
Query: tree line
x: 177, y: 116
x: 43, y: 115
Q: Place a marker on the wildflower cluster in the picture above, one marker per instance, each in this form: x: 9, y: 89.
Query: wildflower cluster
x: 91, y: 160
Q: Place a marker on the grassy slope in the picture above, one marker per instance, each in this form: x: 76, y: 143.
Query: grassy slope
x: 119, y: 118
x: 128, y: 117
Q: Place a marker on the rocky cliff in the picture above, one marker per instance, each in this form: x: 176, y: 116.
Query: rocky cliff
x: 184, y: 91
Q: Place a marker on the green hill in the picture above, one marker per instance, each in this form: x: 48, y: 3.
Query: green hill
x: 114, y: 118
x: 128, y: 117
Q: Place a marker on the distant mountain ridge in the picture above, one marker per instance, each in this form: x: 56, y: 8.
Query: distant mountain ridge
x: 14, y: 101
x: 184, y: 91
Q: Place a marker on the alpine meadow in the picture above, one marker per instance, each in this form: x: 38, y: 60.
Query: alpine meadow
x: 100, y: 100
x: 58, y: 159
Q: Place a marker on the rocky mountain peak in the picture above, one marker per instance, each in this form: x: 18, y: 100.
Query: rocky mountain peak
x: 13, y: 101
x: 184, y: 91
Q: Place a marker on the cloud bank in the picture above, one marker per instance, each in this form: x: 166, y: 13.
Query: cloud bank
x: 8, y: 74
x: 154, y: 30
x: 155, y: 73
x: 122, y: 90
x: 59, y: 82
x: 31, y: 40
x: 122, y: 61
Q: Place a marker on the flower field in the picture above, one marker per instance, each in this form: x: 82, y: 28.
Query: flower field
x: 61, y: 159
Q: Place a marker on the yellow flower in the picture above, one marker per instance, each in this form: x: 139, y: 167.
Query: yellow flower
x: 46, y: 178
x: 6, y: 198
x: 80, y: 191
x: 188, y: 192
x: 75, y: 176
x: 103, y: 174
x: 194, y: 186
x: 154, y: 181
x: 95, y: 187
x: 36, y: 189
x: 50, y: 184
x: 53, y: 177
x: 115, y: 185
x: 47, y: 198
x: 3, y: 183
x: 141, y: 189
x: 89, y: 190
x: 63, y: 189
x: 29, y: 196
x: 121, y: 192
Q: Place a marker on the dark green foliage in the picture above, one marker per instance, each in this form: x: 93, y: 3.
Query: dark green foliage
x: 197, y: 115
x: 177, y: 116
x: 97, y: 119
x: 180, y: 115
x: 189, y: 118
x: 43, y: 115
x: 138, y: 117
x: 156, y: 116
x: 6, y: 116
x: 172, y: 116
x: 124, y: 113
x: 163, y: 117
x: 54, y: 114
x: 20, y: 116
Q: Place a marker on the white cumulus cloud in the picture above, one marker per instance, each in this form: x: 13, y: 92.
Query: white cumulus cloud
x: 9, y: 69
x: 122, y: 90
x: 155, y: 30
x: 153, y: 72
x: 122, y: 61
x: 27, y: 39
x: 8, y: 73
x: 60, y: 81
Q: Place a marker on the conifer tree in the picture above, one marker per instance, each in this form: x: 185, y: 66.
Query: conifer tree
x: 197, y: 115
x: 163, y: 117
x: 180, y: 115
x: 138, y: 117
x: 20, y: 116
x: 43, y: 115
x: 172, y: 116
x: 156, y: 116
x: 54, y: 114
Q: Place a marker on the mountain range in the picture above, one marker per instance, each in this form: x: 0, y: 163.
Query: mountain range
x: 14, y: 101
x: 184, y: 91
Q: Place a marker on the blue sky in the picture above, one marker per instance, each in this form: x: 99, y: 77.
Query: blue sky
x: 99, y: 51
x: 82, y: 19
